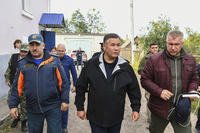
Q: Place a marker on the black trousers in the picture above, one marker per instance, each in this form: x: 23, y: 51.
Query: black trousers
x: 98, y: 129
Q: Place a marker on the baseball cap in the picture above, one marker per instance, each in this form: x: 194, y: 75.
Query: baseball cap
x: 183, y: 109
x: 35, y: 38
x: 24, y: 47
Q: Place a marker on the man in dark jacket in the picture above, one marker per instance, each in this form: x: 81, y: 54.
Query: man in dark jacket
x: 153, y: 49
x: 109, y: 77
x: 42, y: 78
x: 9, y: 77
x: 165, y: 76
x: 69, y: 66
x: 79, y: 58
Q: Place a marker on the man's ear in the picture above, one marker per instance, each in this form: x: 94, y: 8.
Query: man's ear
x: 104, y: 46
x: 43, y: 45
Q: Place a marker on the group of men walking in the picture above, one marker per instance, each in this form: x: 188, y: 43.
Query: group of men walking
x: 44, y: 80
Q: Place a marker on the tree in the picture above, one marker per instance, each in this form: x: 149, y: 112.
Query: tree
x: 192, y: 43
x: 63, y: 30
x: 157, y: 32
x: 78, y: 23
x: 94, y: 21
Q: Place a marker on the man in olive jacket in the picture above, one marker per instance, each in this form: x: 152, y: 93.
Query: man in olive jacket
x: 165, y: 76
x: 109, y: 77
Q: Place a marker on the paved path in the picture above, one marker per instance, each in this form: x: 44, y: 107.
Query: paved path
x: 82, y: 126
x: 75, y: 125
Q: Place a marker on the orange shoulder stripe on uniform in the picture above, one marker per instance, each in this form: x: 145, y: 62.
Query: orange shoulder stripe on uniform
x: 20, y: 85
x: 46, y: 61
x: 58, y: 75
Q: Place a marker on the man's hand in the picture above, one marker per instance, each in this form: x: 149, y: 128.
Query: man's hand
x: 73, y: 89
x: 14, y: 113
x: 64, y: 106
x: 8, y: 83
x: 198, y: 89
x: 81, y: 115
x: 165, y: 95
x: 135, y: 116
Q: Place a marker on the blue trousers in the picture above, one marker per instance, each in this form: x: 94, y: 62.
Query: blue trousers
x: 53, y: 118
x: 65, y: 118
x: 98, y: 129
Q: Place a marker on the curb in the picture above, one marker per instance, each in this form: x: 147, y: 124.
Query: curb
x: 4, y: 119
x: 3, y: 98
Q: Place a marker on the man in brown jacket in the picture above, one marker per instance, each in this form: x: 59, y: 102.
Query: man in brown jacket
x: 165, y: 76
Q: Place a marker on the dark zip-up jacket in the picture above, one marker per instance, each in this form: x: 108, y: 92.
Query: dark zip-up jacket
x: 68, y: 64
x: 13, y: 63
x: 106, y: 97
x: 156, y: 76
x: 45, y: 86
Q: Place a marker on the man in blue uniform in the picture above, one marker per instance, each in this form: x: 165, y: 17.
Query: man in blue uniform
x: 68, y: 65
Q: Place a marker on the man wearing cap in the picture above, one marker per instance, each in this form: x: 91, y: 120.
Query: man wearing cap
x: 9, y: 77
x: 42, y: 79
x: 165, y: 76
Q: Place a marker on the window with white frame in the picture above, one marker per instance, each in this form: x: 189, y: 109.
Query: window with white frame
x: 26, y: 4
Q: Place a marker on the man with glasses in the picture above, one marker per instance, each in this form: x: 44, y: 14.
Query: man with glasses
x: 165, y: 76
x: 9, y: 77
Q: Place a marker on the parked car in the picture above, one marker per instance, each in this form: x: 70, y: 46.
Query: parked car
x: 73, y: 56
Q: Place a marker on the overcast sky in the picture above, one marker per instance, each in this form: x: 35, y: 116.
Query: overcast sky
x: 116, y: 13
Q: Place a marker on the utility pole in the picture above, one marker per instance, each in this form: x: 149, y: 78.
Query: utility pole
x: 132, y: 32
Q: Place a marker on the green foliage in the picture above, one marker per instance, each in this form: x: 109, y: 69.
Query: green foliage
x: 91, y: 23
x: 157, y: 32
x: 137, y: 57
x: 78, y: 22
x: 194, y: 106
x: 94, y: 21
x: 192, y: 43
x: 63, y: 30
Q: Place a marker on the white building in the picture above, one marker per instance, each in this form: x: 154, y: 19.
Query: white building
x: 19, y: 19
x: 87, y: 42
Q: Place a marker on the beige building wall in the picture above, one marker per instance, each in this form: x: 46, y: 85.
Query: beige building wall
x: 126, y: 50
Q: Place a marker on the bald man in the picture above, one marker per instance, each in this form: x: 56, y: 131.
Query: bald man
x: 68, y: 65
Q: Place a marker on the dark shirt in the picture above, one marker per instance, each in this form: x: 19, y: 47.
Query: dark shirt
x: 79, y: 55
x: 109, y: 67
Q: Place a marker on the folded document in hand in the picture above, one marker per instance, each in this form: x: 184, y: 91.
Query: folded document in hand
x: 192, y: 94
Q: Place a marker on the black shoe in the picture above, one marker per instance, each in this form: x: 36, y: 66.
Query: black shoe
x: 14, y: 123
x: 24, y: 127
